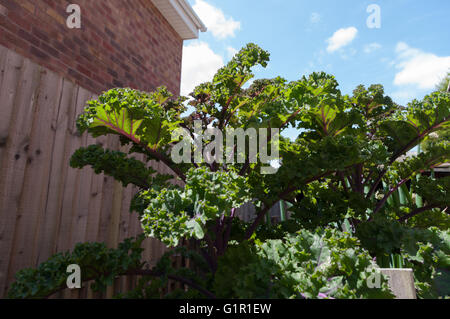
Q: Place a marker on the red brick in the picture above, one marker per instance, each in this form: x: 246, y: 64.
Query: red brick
x: 48, y: 49
x: 41, y: 35
x: 84, y: 70
x: 38, y: 53
x: 28, y: 37
x: 11, y: 41
x: 125, y: 43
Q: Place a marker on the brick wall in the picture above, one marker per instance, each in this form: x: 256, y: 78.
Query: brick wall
x: 121, y: 43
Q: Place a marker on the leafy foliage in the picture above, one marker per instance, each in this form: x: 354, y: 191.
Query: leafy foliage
x: 146, y: 119
x: 96, y: 261
x: 117, y: 165
x: 150, y: 286
x: 172, y: 214
x: 444, y: 134
x: 426, y: 251
x: 321, y: 264
x: 347, y: 168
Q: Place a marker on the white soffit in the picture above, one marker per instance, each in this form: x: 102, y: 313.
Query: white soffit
x: 181, y: 17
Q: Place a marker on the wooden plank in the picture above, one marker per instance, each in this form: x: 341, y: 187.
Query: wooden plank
x: 133, y: 230
x: 75, y: 293
x: 59, y: 166
x: 71, y: 185
x: 34, y: 195
x: 401, y: 282
x: 135, y: 224
x: 124, y: 217
x: 110, y: 211
x: 112, y: 142
x: 15, y: 158
x: 66, y: 294
x: 8, y: 90
x: 155, y: 251
x: 124, y: 231
x: 90, y: 293
x: 109, y: 292
x: 81, y: 203
x: 3, y: 59
x: 124, y: 228
x: 117, y: 286
x: 83, y: 291
x: 95, y: 202
x: 113, y: 237
x: 69, y: 207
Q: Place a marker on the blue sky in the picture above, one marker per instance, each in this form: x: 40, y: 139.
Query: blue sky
x: 408, y: 54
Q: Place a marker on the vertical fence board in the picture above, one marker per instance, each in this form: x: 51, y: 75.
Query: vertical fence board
x: 81, y: 202
x: 69, y: 188
x: 3, y: 55
x: 124, y: 226
x: 113, y: 236
x: 8, y: 91
x: 48, y: 235
x: 95, y: 202
x: 35, y: 185
x: 14, y: 162
x: 112, y: 142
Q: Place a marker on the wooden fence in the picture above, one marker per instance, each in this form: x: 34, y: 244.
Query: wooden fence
x: 46, y: 206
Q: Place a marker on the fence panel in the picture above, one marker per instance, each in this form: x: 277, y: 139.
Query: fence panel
x: 45, y: 206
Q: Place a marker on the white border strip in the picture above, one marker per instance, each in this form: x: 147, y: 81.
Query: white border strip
x: 182, y: 17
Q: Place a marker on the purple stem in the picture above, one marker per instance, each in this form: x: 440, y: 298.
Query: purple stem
x: 228, y: 230
x: 418, y: 211
x: 385, y: 198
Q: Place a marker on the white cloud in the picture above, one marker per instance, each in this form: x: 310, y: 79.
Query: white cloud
x: 403, y: 96
x: 315, y: 17
x: 215, y: 20
x: 341, y: 38
x: 231, y: 52
x: 418, y: 68
x: 369, y: 48
x: 200, y: 63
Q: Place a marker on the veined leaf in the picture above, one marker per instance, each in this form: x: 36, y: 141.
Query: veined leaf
x: 144, y: 119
